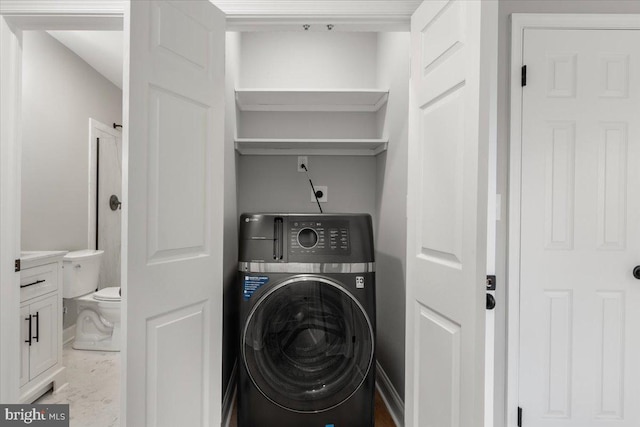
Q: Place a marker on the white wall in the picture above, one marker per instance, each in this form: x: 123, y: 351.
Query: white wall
x: 506, y: 8
x: 230, y: 244
x: 307, y: 125
x: 305, y: 60
x: 60, y: 93
x: 273, y: 184
x: 391, y: 205
x: 308, y: 60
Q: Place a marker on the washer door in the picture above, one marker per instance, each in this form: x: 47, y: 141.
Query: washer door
x: 308, y: 344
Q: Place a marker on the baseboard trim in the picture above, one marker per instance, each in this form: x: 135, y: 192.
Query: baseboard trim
x: 68, y: 334
x: 229, y: 397
x: 390, y: 396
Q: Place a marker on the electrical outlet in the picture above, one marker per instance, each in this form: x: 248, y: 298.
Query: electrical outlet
x: 302, y: 160
x: 322, y: 199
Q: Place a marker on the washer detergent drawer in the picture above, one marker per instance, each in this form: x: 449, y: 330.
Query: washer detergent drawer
x: 37, y: 281
x: 262, y: 238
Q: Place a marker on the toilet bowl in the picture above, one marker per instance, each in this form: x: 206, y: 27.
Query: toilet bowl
x: 98, y: 324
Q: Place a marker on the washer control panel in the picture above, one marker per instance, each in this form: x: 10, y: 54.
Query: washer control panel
x: 305, y: 238
x: 319, y: 237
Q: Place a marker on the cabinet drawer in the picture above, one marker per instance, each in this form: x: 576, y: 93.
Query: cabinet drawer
x: 38, y: 281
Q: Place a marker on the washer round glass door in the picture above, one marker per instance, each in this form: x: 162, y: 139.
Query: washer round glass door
x: 308, y: 344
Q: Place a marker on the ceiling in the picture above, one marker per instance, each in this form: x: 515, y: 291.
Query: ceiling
x: 100, y: 49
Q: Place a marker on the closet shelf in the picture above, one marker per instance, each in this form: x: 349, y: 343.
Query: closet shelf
x: 329, y: 100
x: 301, y: 146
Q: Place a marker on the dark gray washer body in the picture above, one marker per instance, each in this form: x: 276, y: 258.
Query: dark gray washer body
x: 271, y: 250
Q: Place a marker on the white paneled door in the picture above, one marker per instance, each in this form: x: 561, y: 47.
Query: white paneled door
x: 172, y: 212
x: 451, y: 72
x: 579, y: 300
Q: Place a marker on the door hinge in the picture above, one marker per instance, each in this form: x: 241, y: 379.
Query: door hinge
x: 17, y: 265
x: 523, y: 75
x: 519, y: 416
x: 491, y: 282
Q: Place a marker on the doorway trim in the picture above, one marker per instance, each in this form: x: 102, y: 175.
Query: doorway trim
x: 244, y: 15
x: 519, y: 23
x: 19, y: 15
x: 93, y: 164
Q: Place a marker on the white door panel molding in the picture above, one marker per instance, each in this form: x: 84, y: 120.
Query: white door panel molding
x: 572, y: 217
x: 173, y: 133
x: 454, y: 49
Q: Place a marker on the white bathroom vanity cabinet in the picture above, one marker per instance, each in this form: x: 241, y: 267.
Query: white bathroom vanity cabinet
x: 40, y: 324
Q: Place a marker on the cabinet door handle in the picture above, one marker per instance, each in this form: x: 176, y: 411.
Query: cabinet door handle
x: 37, y: 316
x: 31, y: 284
x: 29, y: 320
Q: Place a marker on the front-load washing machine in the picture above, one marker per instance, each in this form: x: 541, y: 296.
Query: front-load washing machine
x: 307, y: 321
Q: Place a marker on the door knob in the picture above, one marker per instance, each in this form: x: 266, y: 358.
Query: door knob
x: 114, y: 203
x: 636, y: 272
x: 491, y: 302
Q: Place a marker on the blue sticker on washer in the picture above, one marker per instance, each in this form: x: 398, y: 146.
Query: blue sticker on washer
x: 252, y: 284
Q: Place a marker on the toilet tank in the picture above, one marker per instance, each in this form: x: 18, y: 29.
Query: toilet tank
x: 81, y: 271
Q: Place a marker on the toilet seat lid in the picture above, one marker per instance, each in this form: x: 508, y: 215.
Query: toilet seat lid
x: 108, y: 294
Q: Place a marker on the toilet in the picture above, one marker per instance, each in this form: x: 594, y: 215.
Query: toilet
x: 98, y: 325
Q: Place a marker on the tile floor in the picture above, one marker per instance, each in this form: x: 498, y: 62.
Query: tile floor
x: 93, y: 392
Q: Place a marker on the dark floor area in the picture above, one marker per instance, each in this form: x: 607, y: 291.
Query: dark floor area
x: 383, y: 418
